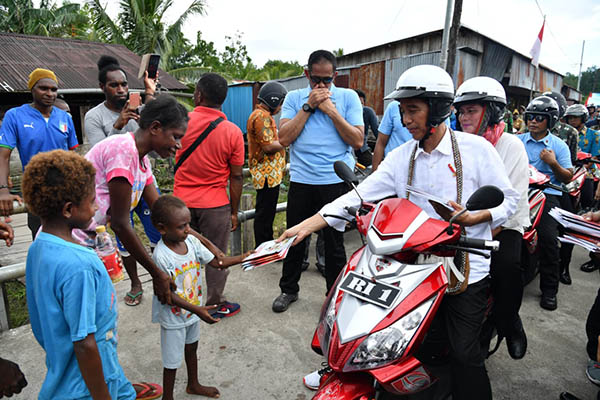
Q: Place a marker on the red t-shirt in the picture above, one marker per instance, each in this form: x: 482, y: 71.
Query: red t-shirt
x: 201, y: 181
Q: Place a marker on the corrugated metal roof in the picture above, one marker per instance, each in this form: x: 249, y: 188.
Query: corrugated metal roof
x: 238, y: 105
x: 395, y: 67
x: 73, y: 62
x: 424, y: 36
x: 370, y: 79
x: 293, y: 83
x: 496, y: 58
x: 521, y: 75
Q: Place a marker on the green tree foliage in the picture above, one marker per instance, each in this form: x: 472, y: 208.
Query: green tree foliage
x: 339, y: 52
x: 141, y: 27
x: 233, y: 62
x: 21, y: 16
x: 590, y: 81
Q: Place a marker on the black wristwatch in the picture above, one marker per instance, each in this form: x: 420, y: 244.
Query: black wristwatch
x: 307, y: 108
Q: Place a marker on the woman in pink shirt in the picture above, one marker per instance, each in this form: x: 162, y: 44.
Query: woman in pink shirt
x: 124, y: 176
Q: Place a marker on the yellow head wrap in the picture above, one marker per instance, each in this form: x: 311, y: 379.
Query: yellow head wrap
x: 40, y: 73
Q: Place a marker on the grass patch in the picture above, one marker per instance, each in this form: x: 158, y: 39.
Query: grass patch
x: 17, y: 300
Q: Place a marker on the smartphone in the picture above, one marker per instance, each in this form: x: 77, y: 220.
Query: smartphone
x: 149, y: 63
x: 153, y: 66
x: 134, y: 100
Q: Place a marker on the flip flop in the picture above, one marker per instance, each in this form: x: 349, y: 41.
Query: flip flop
x: 149, y: 391
x: 136, y: 298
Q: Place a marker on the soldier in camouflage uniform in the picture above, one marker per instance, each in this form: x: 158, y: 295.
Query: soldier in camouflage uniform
x: 593, y: 121
x: 508, y: 121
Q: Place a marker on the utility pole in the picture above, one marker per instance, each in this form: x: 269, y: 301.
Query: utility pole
x: 454, y: 37
x: 446, y: 35
x: 580, y: 66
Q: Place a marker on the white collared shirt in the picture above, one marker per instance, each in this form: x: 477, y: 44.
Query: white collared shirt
x: 434, y: 173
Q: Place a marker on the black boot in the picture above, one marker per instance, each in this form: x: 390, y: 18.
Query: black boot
x: 517, y: 341
x: 565, y: 276
x: 589, y: 266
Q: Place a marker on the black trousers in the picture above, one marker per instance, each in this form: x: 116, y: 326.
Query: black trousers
x: 592, y: 329
x: 458, y: 323
x: 548, y: 248
x: 587, y: 193
x: 266, y: 205
x: 505, y: 270
x: 303, y: 202
x: 566, y: 249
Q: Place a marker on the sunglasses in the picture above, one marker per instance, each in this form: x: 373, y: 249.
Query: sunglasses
x: 537, y: 117
x: 318, y: 79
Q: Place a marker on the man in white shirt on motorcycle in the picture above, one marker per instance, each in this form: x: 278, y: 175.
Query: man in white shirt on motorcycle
x: 425, y: 94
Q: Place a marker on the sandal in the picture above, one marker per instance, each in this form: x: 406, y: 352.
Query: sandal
x: 148, y: 391
x: 133, y: 299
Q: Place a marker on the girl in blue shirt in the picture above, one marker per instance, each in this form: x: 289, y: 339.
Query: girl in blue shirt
x: 70, y: 296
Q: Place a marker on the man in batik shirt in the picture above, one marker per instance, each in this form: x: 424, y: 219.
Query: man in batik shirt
x: 266, y: 158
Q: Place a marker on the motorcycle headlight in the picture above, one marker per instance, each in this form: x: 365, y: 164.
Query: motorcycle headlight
x: 326, y: 326
x: 387, y: 345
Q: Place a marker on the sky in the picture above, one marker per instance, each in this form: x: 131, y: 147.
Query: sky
x: 290, y: 31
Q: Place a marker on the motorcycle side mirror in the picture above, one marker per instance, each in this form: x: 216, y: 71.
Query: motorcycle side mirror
x: 345, y: 173
x: 485, y: 197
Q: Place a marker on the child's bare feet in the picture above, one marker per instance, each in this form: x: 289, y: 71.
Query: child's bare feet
x: 200, y: 390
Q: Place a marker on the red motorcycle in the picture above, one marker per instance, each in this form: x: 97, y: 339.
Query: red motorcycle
x: 582, y: 169
x: 379, y: 311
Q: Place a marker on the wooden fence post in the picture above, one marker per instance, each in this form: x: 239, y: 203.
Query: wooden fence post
x: 247, y: 203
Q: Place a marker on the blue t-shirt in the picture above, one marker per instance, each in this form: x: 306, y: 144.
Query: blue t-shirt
x: 391, y: 126
x: 319, y: 144
x: 554, y: 143
x: 589, y: 141
x: 69, y: 296
x: 26, y: 129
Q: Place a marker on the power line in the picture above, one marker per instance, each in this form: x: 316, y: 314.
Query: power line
x: 553, y: 36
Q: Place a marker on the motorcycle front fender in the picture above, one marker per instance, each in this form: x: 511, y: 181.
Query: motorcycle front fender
x: 340, y: 386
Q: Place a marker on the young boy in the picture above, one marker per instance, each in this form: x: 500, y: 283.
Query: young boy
x: 70, y: 297
x: 181, y: 255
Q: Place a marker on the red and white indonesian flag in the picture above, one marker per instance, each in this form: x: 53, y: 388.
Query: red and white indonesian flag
x: 537, y: 47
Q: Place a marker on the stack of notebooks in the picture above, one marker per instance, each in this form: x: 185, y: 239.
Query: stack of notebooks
x: 266, y: 253
x: 578, y: 230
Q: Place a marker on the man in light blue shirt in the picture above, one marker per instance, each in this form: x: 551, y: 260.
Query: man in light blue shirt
x: 391, y: 133
x: 322, y: 124
x: 551, y: 156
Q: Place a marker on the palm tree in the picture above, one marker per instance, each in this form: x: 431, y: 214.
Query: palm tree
x: 140, y: 26
x: 21, y: 16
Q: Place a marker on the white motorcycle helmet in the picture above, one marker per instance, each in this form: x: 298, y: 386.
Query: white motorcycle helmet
x: 486, y: 91
x: 430, y: 83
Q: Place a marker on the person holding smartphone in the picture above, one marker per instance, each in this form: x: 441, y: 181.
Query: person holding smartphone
x: 119, y: 113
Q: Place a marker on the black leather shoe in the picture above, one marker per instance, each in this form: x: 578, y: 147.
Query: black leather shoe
x: 283, y: 301
x: 565, y: 277
x: 589, y: 266
x: 568, y: 396
x: 517, y: 341
x: 549, y: 303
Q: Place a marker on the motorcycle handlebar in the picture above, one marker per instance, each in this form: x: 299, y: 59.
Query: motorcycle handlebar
x: 351, y: 210
x: 482, y: 244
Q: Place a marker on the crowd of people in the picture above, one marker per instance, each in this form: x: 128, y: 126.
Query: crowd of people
x: 71, y: 298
